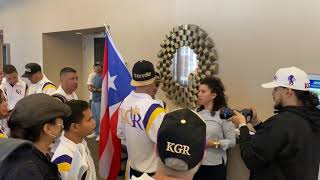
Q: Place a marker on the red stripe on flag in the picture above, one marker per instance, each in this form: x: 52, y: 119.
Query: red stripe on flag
x: 105, y: 125
x: 108, y: 125
x: 104, y: 132
x: 115, y: 165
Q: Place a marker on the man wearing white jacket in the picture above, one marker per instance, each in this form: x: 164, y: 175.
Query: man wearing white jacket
x: 72, y: 155
x: 13, y: 87
x: 39, y: 82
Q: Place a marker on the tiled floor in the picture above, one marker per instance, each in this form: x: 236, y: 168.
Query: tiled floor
x: 93, y: 145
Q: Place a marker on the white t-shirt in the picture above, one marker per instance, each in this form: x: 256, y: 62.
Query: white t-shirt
x: 74, y: 160
x: 139, y: 120
x: 72, y: 96
x: 90, y: 82
x: 43, y: 86
x: 14, y: 93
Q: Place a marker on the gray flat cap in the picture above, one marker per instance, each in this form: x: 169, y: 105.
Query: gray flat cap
x: 37, y: 109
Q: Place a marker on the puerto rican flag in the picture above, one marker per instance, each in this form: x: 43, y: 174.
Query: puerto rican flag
x: 115, y: 87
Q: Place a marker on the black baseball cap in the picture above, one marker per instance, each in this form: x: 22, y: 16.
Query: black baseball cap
x: 37, y: 109
x: 181, y: 136
x: 30, y: 69
x: 143, y: 73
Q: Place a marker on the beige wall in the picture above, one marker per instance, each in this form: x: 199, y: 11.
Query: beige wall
x: 60, y: 51
x: 253, y: 37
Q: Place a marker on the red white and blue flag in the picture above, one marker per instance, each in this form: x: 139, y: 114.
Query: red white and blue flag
x: 115, y: 87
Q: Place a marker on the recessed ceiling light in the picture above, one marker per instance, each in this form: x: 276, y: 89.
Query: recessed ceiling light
x: 78, y: 33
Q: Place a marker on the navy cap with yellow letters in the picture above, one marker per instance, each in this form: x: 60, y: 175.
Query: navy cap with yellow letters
x: 181, y: 137
x: 143, y: 73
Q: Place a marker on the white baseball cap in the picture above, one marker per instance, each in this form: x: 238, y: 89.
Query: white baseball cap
x: 291, y: 77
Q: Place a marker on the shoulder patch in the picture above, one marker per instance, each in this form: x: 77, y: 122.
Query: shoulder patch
x: 63, y: 162
x: 153, y: 111
x: 48, y: 85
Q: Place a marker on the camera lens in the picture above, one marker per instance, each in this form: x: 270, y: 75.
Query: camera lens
x: 226, y: 113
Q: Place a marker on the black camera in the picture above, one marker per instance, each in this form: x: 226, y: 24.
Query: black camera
x: 226, y: 113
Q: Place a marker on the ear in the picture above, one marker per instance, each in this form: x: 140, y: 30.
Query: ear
x: 46, y: 128
x: 61, y: 77
x: 74, y: 127
x: 289, y: 92
x: 214, y: 95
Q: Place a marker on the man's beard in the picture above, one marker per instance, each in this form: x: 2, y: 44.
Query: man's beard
x: 278, y: 106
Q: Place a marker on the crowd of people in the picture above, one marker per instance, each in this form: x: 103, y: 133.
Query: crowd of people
x: 46, y: 126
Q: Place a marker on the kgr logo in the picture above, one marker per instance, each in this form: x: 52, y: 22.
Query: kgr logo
x: 178, y: 148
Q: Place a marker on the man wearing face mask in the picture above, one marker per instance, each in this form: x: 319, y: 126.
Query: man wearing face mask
x: 37, y: 118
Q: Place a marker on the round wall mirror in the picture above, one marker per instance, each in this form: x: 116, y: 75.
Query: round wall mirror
x: 187, y: 55
x: 184, y: 62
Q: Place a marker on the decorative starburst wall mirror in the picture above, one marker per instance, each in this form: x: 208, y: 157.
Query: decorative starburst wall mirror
x: 187, y: 55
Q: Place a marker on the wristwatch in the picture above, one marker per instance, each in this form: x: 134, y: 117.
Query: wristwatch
x: 216, y: 144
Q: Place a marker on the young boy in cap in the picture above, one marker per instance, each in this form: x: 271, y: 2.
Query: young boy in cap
x: 180, y: 145
x: 139, y: 120
x: 39, y: 82
x: 72, y: 155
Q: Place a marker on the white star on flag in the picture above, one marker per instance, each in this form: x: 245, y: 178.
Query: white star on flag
x: 111, y: 82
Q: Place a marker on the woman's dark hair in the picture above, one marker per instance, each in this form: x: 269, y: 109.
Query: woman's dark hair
x: 19, y: 131
x: 309, y: 99
x: 2, y: 97
x: 216, y: 86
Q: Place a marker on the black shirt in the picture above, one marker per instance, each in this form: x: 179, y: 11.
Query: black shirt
x: 30, y: 165
x: 284, y: 146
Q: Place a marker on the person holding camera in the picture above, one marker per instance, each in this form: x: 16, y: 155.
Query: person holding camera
x: 285, y: 146
x: 220, y: 133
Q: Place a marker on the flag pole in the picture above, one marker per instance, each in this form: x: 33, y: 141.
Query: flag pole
x: 106, y: 26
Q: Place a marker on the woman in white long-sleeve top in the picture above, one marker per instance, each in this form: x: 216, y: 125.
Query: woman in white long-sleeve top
x: 220, y: 133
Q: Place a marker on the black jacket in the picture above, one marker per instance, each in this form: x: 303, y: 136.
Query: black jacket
x: 28, y: 164
x: 285, y: 147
